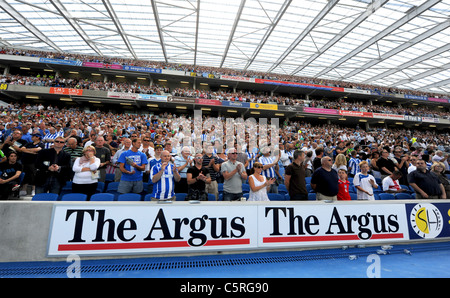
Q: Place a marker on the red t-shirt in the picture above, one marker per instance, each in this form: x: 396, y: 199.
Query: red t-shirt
x: 343, y: 193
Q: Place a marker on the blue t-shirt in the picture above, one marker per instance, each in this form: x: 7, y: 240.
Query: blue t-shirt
x: 139, y: 158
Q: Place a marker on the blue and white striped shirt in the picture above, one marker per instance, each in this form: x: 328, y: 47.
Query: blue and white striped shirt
x: 251, y: 160
x: 50, y: 136
x: 353, y: 165
x: 164, y: 188
x: 270, y: 172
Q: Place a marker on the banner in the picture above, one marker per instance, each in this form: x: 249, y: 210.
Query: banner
x: 438, y: 99
x: 102, y: 65
x: 239, y: 79
x: 122, y: 95
x: 304, y: 225
x: 320, y: 111
x: 355, y: 114
x: 149, y: 228
x: 356, y: 91
x: 152, y: 97
x: 145, y: 228
x: 60, y: 61
x: 388, y: 116
x: 141, y: 69
x: 236, y: 104
x: 264, y: 106
x: 66, y: 91
x: 209, y: 102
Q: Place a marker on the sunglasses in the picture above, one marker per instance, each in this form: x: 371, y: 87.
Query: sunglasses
x: 258, y: 167
x: 61, y: 142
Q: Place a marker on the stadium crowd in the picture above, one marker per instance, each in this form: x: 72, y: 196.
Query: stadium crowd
x: 241, y: 96
x: 52, y: 146
x: 214, y: 71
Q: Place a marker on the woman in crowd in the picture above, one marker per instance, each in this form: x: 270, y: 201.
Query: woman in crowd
x: 259, y: 184
x: 439, y: 169
x: 340, y: 163
x: 86, y: 172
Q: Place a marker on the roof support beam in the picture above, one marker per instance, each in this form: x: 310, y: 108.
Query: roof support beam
x: 233, y: 30
x: 158, y: 27
x: 119, y: 27
x: 268, y: 32
x: 408, y: 17
x: 438, y: 28
x: 369, y: 10
x: 305, y: 33
x: 26, y: 24
x: 410, y: 63
x: 196, y: 32
x: 66, y: 15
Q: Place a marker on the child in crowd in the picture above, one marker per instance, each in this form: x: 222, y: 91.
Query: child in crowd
x: 364, y: 183
x: 343, y: 185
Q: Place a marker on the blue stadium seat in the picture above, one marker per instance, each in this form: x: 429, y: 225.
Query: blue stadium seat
x: 386, y: 196
x: 100, y: 187
x: 102, y: 197
x: 308, y: 180
x: 45, y: 197
x: 353, y: 196
x: 181, y: 196
x: 311, y: 196
x: 212, y: 197
x: 129, y: 197
x: 74, y: 197
x: 275, y: 197
x: 282, y: 189
x: 403, y: 196
x: 245, y: 187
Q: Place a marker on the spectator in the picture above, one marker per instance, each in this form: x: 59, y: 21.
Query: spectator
x: 197, y: 177
x: 402, y: 164
x: 439, y: 169
x: 317, y: 163
x: 211, y: 162
x: 126, y: 142
x: 52, y: 168
x: 50, y: 137
x: 325, y: 181
x: 13, y: 143
x: 183, y: 162
x: 29, y: 155
x: 259, y: 184
x: 425, y: 183
x: 391, y: 183
x: 344, y: 186
x: 385, y: 164
x: 269, y: 167
x: 164, y: 175
x: 340, y: 163
x: 373, y: 164
x: 412, y: 166
x: 132, y: 164
x: 364, y: 183
x: 85, y: 167
x: 9, y: 176
x: 233, y: 173
x: 104, y: 154
x: 294, y: 178
x: 353, y: 164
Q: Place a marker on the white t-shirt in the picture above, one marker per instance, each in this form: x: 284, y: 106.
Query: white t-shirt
x: 363, y: 181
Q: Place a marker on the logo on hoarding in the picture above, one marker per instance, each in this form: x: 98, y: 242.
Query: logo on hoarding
x: 426, y: 220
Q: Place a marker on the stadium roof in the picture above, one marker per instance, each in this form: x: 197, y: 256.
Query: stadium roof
x: 399, y: 43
